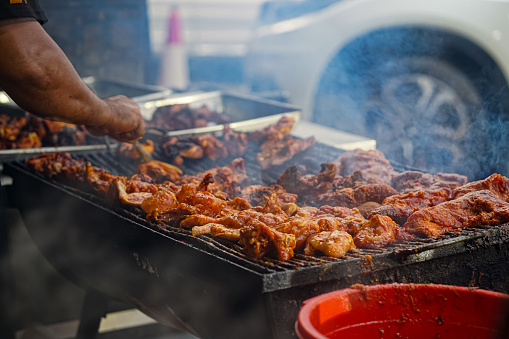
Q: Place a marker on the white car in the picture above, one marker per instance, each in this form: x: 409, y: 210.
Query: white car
x: 428, y: 79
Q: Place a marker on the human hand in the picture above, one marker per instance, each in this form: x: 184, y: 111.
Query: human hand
x: 122, y: 120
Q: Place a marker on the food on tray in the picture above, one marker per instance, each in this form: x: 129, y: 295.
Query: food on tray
x: 276, y: 146
x: 130, y: 151
x: 355, y: 201
x: 182, y: 116
x: 30, y: 131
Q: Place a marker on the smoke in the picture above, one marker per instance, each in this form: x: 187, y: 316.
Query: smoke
x: 432, y: 100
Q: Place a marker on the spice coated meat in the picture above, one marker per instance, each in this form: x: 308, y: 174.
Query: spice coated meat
x: 355, y: 201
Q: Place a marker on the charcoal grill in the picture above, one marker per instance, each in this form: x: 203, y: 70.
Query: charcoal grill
x: 213, y: 289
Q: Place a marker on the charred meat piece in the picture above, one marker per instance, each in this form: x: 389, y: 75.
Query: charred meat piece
x: 331, y: 243
x: 372, y: 166
x: 274, y: 132
x: 400, y: 207
x: 235, y: 143
x: 277, y: 151
x: 258, y: 195
x: 495, y: 183
x: 470, y: 210
x: 412, y: 181
x: 372, y: 192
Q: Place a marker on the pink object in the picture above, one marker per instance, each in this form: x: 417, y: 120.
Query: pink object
x: 174, y: 27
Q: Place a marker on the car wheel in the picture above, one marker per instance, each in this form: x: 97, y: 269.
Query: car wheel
x: 423, y: 113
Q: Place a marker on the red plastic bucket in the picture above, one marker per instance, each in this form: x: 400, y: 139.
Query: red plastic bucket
x: 404, y: 311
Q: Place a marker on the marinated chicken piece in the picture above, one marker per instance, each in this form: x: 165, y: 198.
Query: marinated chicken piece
x: 258, y: 195
x: 235, y: 143
x: 342, y: 197
x: 301, y: 227
x: 117, y: 192
x: 412, y: 181
x: 159, y: 171
x: 400, y: 207
x: 58, y: 164
x: 278, y: 151
x: 29, y: 140
x: 130, y: 151
x: 377, y: 232
x: 225, y: 179
x: 194, y: 201
x: 159, y: 202
x: 310, y: 185
x: 212, y: 147
x: 100, y: 179
x: 372, y: 166
x: 372, y: 192
x: 217, y: 230
x: 495, y: 183
x: 234, y: 219
x: 259, y: 240
x: 193, y: 152
x: 274, y: 132
x: 331, y: 243
x: 470, y: 210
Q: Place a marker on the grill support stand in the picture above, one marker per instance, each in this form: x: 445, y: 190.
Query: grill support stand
x: 94, y: 309
x: 6, y: 273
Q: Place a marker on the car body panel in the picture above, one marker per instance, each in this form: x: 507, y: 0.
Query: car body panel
x: 296, y: 52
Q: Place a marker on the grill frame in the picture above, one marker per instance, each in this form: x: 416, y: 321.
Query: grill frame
x: 242, y: 297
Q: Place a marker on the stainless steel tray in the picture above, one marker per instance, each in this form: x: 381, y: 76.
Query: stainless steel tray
x: 247, y: 113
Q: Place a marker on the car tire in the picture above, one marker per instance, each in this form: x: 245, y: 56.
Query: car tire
x: 423, y: 112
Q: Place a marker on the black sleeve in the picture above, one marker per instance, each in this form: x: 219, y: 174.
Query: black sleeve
x: 21, y: 9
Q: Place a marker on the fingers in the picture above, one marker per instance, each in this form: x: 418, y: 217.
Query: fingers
x: 124, y: 122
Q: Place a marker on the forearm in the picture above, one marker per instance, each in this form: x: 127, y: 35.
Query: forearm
x: 39, y: 78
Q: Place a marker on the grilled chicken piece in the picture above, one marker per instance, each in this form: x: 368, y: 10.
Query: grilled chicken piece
x: 274, y: 132
x: 331, y: 243
x: 412, y: 181
x: 212, y: 147
x: 225, y: 179
x: 28, y: 140
x: 159, y: 202
x: 235, y: 143
x: 159, y: 171
x: 259, y: 240
x: 377, y: 232
x: 372, y: 192
x: 258, y: 195
x: 117, y: 192
x: 129, y: 150
x: 470, y: 210
x: 277, y: 152
x: 495, y: 183
x: 217, y: 230
x: 99, y: 179
x: 371, y: 166
x: 400, y: 207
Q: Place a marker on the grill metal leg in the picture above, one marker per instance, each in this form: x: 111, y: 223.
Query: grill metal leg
x: 94, y: 308
x: 6, y: 273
